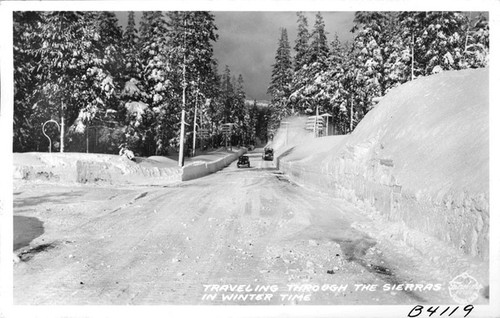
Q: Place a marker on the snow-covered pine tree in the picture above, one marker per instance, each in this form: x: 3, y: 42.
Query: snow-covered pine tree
x: 333, y: 78
x: 318, y: 49
x: 411, y: 30
x: 227, y: 95
x: 356, y: 96
x: 298, y: 99
x: 26, y: 39
x: 190, y: 36
x: 71, y: 73
x: 445, y: 40
x: 239, y: 111
x: 301, y: 47
x: 315, y: 90
x: 476, y: 46
x: 104, y: 77
x: 214, y: 111
x: 440, y: 43
x: 130, y: 49
x: 281, y: 80
x: 110, y: 42
x: 253, y: 113
x: 377, y: 45
x: 147, y: 134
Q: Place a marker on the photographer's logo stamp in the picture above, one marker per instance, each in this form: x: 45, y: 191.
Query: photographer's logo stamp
x: 464, y: 289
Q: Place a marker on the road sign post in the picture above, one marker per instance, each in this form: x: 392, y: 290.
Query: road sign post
x: 227, y: 130
x: 326, y: 115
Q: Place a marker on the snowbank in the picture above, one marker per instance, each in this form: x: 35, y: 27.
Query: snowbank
x: 113, y: 169
x: 92, y: 168
x: 201, y: 169
x: 420, y: 157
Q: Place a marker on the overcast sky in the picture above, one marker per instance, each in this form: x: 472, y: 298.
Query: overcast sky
x: 248, y: 41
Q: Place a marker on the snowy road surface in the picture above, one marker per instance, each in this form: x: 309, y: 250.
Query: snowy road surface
x: 239, y: 236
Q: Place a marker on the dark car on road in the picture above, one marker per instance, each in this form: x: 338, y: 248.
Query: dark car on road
x: 268, y: 154
x: 243, y: 161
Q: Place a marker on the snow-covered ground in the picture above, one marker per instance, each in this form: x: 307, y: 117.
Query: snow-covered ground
x: 419, y: 159
x: 80, y: 244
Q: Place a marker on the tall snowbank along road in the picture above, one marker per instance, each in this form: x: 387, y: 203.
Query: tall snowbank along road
x: 419, y: 158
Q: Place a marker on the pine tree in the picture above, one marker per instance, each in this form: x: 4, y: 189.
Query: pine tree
x: 333, y: 79
x: 239, y: 111
x: 111, y: 39
x: 281, y: 80
x: 71, y: 74
x: 308, y: 87
x: 377, y: 43
x: 26, y: 40
x: 319, y: 50
x: 315, y: 89
x: 190, y: 36
x: 301, y: 43
x: 130, y: 48
x: 301, y: 67
x: 439, y: 41
x: 476, y: 46
x: 410, y: 34
x: 149, y: 133
x: 104, y: 77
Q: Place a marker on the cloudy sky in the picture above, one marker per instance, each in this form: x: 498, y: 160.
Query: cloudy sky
x: 248, y: 41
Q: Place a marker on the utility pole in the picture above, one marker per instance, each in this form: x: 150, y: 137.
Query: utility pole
x: 316, y: 122
x: 194, y: 126
x: 87, y: 137
x: 183, y: 113
x: 413, y: 57
x: 201, y: 126
x: 351, y: 117
x: 61, y: 146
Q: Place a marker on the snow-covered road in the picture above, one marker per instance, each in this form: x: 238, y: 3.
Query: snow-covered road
x: 239, y: 236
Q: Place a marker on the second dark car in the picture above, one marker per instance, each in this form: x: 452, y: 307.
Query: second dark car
x: 268, y: 154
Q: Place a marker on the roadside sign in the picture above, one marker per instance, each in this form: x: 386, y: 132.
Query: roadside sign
x: 314, y: 121
x: 314, y: 118
x: 226, y: 128
x: 202, y: 133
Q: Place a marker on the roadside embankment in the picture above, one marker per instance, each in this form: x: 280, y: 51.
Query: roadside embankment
x: 200, y: 169
x: 421, y: 157
x: 91, y: 168
x: 112, y: 169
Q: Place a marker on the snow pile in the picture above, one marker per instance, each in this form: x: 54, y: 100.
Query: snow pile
x: 420, y: 157
x: 198, y: 169
x: 92, y: 168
